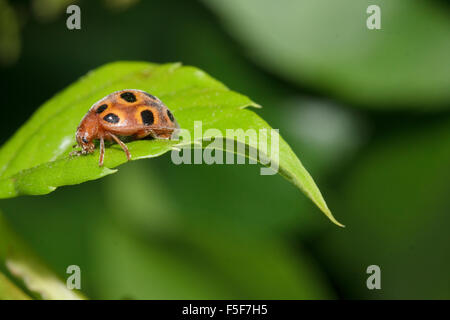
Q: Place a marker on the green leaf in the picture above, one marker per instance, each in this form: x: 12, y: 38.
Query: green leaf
x: 35, y: 160
x: 22, y: 263
x: 9, y: 291
x: 326, y: 44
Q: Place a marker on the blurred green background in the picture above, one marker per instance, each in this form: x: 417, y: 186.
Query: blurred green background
x: 367, y: 112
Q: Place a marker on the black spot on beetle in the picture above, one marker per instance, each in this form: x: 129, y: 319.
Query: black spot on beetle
x: 111, y: 118
x: 170, y: 115
x: 84, y: 140
x: 128, y: 97
x: 101, y: 108
x: 150, y: 96
x: 147, y: 117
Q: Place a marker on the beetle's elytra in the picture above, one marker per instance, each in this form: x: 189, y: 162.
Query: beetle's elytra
x: 126, y: 113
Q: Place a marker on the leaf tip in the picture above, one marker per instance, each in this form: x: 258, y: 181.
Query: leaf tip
x: 331, y: 217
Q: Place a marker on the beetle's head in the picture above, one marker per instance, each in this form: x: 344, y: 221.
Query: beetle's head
x: 86, y: 133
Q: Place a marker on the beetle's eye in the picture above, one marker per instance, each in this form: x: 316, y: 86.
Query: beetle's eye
x: 84, y: 140
x: 101, y: 108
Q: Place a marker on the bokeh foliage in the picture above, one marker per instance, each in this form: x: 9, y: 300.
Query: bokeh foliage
x: 325, y: 43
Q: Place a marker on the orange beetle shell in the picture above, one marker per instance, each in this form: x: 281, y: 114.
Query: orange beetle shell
x: 127, y: 112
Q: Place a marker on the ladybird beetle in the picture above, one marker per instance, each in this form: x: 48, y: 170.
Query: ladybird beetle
x: 125, y: 113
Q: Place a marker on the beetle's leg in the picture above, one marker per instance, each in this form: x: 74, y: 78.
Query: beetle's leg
x: 102, y: 152
x: 74, y: 153
x: 122, y: 145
